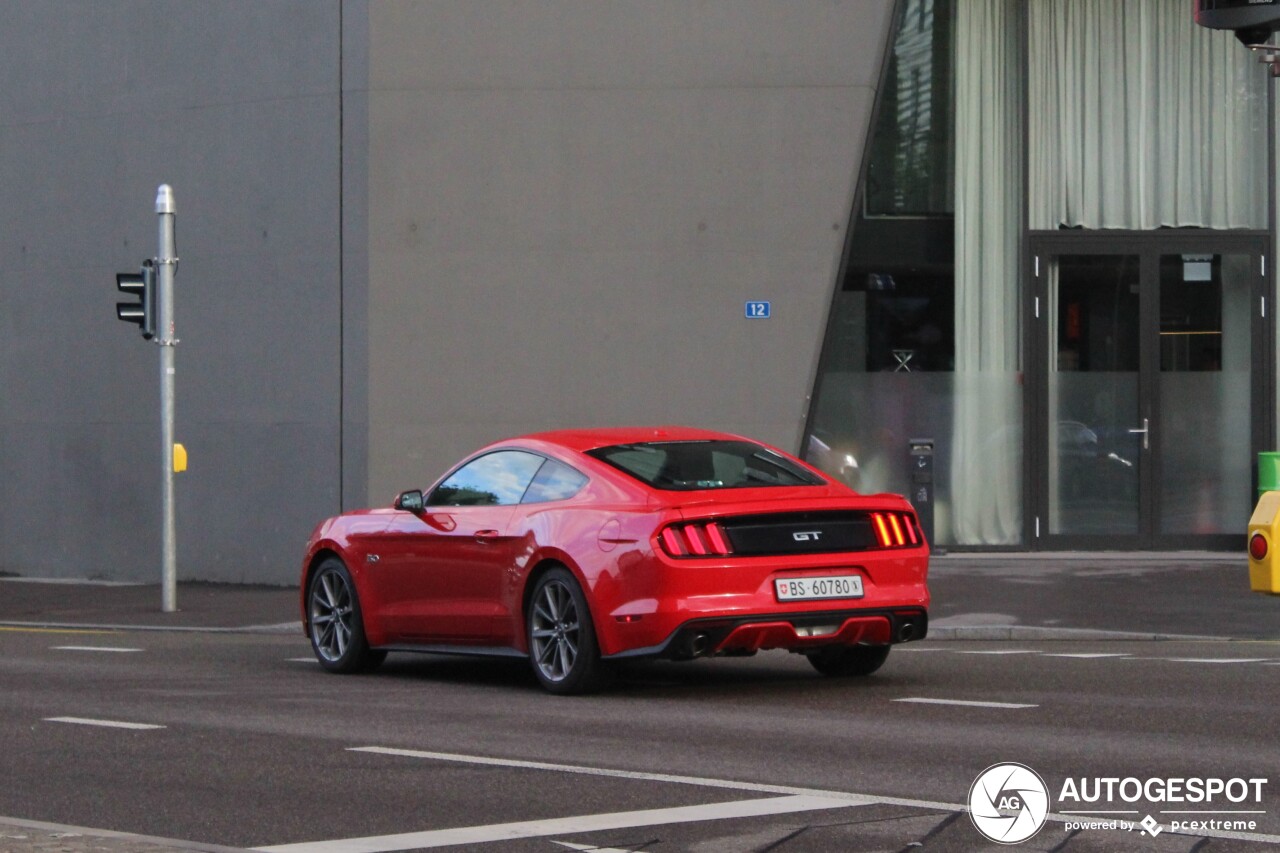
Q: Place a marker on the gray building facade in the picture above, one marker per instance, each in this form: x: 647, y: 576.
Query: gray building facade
x: 405, y: 229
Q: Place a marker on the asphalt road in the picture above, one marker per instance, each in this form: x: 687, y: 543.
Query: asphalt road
x: 255, y: 746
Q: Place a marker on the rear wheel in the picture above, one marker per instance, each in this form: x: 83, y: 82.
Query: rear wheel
x: 562, y: 639
x: 843, y: 661
x: 335, y: 623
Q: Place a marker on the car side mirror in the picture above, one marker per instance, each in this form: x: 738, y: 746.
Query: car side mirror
x: 410, y: 501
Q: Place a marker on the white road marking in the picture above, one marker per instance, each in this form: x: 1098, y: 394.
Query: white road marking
x: 594, y: 848
x: 1086, y: 655
x: 92, y: 649
x: 1002, y: 652
x: 71, y: 581
x: 564, y: 826
x: 1217, y: 660
x: 110, y: 724
x: 965, y: 703
x: 302, y: 660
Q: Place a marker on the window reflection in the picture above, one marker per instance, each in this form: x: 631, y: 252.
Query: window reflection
x: 495, y: 479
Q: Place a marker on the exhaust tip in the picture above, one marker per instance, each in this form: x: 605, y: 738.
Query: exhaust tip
x: 908, y: 631
x: 701, y: 645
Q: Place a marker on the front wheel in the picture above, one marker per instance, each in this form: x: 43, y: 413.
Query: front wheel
x: 843, y: 661
x: 334, y: 621
x: 562, y: 639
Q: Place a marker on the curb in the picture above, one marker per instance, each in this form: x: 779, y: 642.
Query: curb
x: 1030, y: 633
x: 277, y: 628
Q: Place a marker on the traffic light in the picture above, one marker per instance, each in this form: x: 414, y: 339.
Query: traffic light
x: 142, y: 285
x: 1252, y: 20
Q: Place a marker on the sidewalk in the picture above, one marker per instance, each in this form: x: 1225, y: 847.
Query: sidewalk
x: 1009, y: 596
x: 201, y: 606
x: 23, y: 836
x: 1098, y: 595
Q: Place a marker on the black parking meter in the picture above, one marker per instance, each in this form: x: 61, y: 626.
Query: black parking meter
x: 920, y: 482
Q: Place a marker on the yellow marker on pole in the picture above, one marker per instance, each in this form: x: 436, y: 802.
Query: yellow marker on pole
x: 179, y: 458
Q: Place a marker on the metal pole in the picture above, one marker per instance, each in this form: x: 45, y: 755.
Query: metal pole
x: 167, y: 265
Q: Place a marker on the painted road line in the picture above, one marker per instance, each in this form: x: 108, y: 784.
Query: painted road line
x: 93, y: 649
x: 71, y: 582
x: 1216, y: 660
x: 301, y: 660
x: 109, y: 724
x: 26, y: 629
x: 591, y: 847
x: 735, y: 809
x: 1086, y: 655
x: 920, y: 700
x: 1002, y: 652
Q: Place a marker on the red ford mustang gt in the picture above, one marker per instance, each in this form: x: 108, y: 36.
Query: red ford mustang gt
x: 580, y: 548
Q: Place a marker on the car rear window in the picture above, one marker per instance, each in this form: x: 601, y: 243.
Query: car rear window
x: 690, y: 465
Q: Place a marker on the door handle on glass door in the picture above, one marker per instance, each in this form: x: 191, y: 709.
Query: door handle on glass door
x: 1146, y: 433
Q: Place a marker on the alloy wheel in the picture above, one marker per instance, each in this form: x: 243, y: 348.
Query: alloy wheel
x: 555, y: 630
x: 332, y: 615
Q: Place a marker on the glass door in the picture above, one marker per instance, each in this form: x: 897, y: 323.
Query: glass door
x: 1094, y: 390
x: 1204, y: 394
x: 1151, y: 394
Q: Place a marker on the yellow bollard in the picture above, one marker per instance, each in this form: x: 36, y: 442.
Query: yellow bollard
x: 1264, y: 538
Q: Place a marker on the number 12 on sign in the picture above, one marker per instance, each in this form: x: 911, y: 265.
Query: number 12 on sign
x: 759, y: 310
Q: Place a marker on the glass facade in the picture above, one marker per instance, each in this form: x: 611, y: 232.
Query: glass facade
x: 1129, y: 119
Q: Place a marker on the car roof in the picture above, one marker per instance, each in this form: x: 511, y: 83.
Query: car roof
x: 582, y: 440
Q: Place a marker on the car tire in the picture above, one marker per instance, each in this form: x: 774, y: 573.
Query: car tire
x: 844, y: 661
x: 335, y: 623
x: 561, y: 637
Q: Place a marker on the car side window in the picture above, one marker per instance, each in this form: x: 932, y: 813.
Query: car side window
x: 495, y: 479
x: 555, y: 482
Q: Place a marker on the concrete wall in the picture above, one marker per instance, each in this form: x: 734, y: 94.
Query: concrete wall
x: 406, y: 228
x: 236, y: 106
x: 570, y: 202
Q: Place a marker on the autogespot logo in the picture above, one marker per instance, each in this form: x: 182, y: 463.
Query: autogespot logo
x: 1008, y: 803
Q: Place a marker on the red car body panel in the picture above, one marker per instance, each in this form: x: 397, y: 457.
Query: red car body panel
x: 457, y: 577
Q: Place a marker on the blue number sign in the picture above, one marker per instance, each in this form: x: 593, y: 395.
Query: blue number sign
x: 759, y: 310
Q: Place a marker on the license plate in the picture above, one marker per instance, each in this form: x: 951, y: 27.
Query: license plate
x: 817, y: 589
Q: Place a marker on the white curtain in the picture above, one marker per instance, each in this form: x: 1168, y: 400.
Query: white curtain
x: 1140, y: 119
x: 986, y: 464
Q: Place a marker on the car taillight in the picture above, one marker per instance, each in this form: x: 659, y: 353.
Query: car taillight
x: 1258, y: 546
x: 895, y: 529
x: 695, y: 539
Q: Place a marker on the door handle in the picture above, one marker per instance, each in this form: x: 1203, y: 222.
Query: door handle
x: 1146, y: 433
x: 486, y: 535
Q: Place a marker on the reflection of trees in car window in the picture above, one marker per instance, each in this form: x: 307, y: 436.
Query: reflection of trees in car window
x: 464, y: 495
